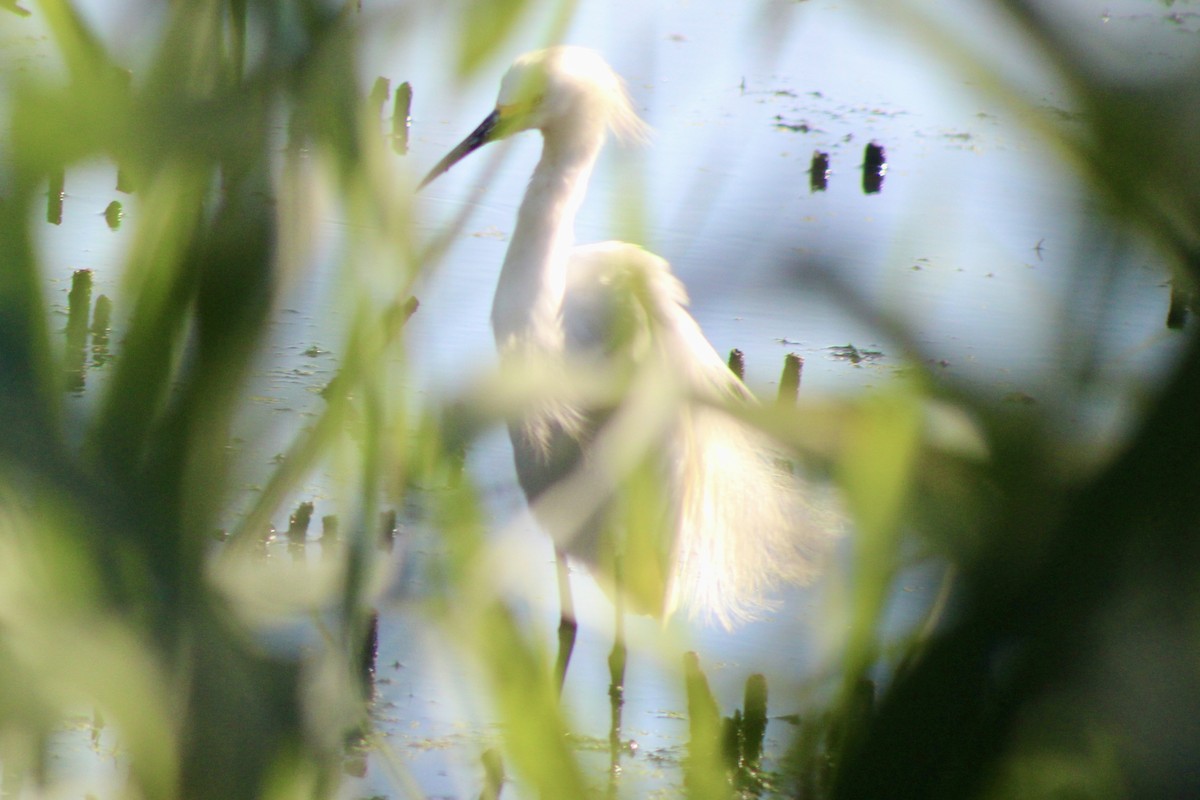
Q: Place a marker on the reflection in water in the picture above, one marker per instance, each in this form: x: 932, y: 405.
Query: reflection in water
x: 368, y: 658
x: 79, y: 305
x: 874, y: 168
x: 100, y: 331
x: 617, y: 659
x: 724, y: 750
x: 822, y: 740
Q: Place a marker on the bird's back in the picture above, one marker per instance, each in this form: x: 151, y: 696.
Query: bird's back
x: 696, y: 500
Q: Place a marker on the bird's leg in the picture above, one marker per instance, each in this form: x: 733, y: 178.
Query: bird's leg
x: 616, y: 670
x: 566, y: 622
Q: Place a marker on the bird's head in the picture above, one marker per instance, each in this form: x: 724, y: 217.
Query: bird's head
x: 564, y: 91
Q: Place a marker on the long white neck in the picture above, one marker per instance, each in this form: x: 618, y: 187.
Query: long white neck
x: 529, y: 296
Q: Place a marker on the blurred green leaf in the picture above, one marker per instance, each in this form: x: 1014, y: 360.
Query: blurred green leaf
x: 487, y: 24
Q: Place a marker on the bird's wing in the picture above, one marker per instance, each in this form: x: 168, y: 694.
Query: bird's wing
x: 732, y: 524
x: 622, y: 300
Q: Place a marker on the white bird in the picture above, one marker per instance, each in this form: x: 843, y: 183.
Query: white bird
x: 716, y: 522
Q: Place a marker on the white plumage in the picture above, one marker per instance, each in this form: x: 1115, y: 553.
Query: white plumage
x: 694, y: 502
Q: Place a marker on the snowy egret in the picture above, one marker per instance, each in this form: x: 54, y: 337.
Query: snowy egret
x: 726, y: 522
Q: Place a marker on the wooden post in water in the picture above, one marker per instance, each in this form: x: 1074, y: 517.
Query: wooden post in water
x: 737, y: 363
x: 329, y: 529
x: 401, y: 118
x: 54, y: 197
x: 818, y: 172
x: 387, y: 528
x: 79, y: 307
x: 369, y: 657
x: 379, y: 95
x: 297, y: 532
x: 874, y: 168
x: 789, y: 381
x: 1177, y: 311
x: 754, y: 720
x: 329, y: 535
x: 113, y: 215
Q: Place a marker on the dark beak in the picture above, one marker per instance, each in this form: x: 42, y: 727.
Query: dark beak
x: 485, y: 133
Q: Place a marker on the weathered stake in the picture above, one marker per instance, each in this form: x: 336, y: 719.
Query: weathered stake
x: 54, y: 197
x: 789, y: 381
x: 298, y: 523
x: 818, y: 172
x: 401, y: 118
x: 379, y: 95
x: 874, y: 168
x: 737, y: 363
x: 387, y: 528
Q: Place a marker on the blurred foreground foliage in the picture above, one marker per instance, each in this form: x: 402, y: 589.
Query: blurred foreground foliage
x: 1065, y: 665
x: 109, y: 517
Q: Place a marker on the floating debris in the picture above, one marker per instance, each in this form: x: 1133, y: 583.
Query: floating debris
x: 848, y: 352
x: 794, y: 127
